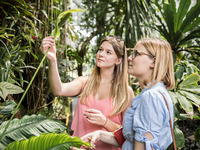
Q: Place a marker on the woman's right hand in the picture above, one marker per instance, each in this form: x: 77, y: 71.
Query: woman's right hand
x: 49, y: 42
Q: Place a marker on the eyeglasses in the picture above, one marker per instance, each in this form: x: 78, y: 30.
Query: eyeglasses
x: 135, y: 53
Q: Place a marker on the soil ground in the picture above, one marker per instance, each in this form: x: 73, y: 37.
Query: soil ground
x: 188, y: 127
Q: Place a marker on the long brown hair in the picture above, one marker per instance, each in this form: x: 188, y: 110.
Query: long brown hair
x: 119, y: 88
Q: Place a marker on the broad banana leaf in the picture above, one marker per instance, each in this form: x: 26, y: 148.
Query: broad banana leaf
x: 48, y: 141
x: 8, y: 88
x: 29, y: 126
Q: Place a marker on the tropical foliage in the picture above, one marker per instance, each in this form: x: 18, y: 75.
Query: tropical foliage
x: 28, y: 126
x: 8, y: 88
x: 185, y: 96
x: 23, y: 24
x: 179, y: 24
x: 48, y: 141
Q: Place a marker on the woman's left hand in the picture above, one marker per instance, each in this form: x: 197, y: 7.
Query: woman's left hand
x: 95, y: 117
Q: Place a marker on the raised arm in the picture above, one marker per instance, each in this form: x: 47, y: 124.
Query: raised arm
x: 58, y: 88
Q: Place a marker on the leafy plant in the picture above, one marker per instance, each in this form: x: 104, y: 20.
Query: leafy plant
x: 48, y: 141
x: 185, y: 96
x: 186, y: 91
x: 178, y: 22
x: 8, y: 88
x: 6, y: 109
x: 5, y: 126
x: 28, y: 126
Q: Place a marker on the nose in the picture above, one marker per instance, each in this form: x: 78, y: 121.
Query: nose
x: 129, y: 58
x: 101, y: 53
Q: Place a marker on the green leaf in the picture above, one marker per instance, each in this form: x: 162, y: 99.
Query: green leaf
x: 191, y: 79
x: 193, y: 25
x: 169, y: 15
x: 182, y: 11
x: 48, y: 141
x: 185, y: 104
x: 195, y: 98
x: 61, y: 19
x: 191, y: 88
x: 56, y: 31
x: 179, y: 137
x: 179, y: 72
x: 176, y: 112
x: 173, y: 97
x: 192, y: 14
x: 8, y: 88
x: 7, y: 107
x: 192, y: 35
x: 29, y: 126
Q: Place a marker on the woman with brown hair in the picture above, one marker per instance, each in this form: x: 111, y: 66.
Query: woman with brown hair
x: 104, y: 95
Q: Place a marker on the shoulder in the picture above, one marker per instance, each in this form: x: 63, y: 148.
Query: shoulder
x: 152, y: 98
x: 130, y: 91
x: 82, y: 79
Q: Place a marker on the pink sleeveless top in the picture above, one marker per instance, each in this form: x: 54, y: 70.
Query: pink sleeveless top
x: 81, y: 126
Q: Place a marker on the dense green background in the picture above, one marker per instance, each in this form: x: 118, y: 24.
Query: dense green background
x: 24, y: 23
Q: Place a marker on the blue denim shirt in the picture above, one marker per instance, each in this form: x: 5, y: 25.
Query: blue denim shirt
x: 149, y: 113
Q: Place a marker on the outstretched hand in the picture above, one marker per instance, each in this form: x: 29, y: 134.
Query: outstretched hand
x: 49, y: 42
x: 92, y: 138
x: 95, y: 117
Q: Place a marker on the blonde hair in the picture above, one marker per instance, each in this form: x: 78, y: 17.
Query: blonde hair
x: 119, y: 87
x: 164, y: 68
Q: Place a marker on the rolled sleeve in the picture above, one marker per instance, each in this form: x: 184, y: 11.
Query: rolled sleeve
x: 148, y: 143
x: 149, y: 118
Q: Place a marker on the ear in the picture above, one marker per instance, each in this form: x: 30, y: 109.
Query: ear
x: 119, y: 60
x: 153, y: 63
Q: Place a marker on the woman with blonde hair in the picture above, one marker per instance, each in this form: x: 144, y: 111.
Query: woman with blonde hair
x: 146, y: 124
x: 104, y: 95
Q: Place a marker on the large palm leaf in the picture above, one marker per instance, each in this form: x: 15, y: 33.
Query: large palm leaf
x: 179, y: 25
x: 136, y: 24
x: 29, y: 126
x: 48, y: 141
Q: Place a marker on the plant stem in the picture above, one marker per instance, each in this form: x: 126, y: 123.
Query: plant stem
x: 16, y: 109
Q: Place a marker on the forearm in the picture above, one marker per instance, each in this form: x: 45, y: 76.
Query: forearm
x: 108, y: 137
x: 54, y: 79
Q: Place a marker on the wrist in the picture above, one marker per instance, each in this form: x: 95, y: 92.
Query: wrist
x: 52, y: 62
x: 105, y: 122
